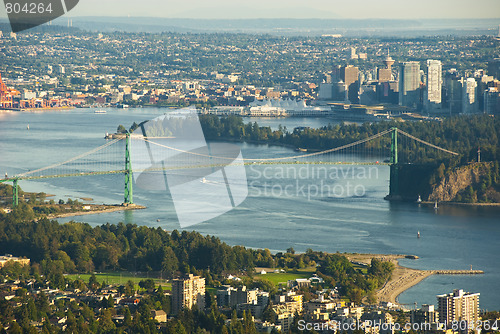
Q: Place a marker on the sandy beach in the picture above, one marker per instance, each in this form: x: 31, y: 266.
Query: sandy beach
x: 402, y: 278
x: 96, y: 209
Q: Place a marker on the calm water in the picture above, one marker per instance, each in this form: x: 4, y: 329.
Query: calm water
x: 343, y: 212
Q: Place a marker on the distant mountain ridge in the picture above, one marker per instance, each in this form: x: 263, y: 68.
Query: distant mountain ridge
x: 280, y: 26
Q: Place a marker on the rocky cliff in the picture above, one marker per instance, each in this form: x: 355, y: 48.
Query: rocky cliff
x: 458, y: 180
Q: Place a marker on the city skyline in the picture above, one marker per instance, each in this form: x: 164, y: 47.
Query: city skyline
x: 224, y: 9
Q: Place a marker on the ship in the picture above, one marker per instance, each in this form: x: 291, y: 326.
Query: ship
x: 100, y: 111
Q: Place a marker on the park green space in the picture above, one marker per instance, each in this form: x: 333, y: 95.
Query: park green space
x: 120, y: 278
x: 277, y: 278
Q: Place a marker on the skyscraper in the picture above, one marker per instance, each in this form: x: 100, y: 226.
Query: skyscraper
x: 457, y: 307
x: 349, y: 75
x: 434, y: 84
x: 409, y: 84
x: 494, y: 68
x: 469, y: 93
x: 452, y: 98
x: 187, y: 292
x: 492, y: 101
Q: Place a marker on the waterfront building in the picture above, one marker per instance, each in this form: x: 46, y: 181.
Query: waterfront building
x: 284, y: 107
x: 458, y: 306
x: 187, y: 292
x: 434, y: 84
x: 325, y: 91
x: 409, y: 84
x: 6, y: 95
x: 368, y: 94
x: 339, y: 91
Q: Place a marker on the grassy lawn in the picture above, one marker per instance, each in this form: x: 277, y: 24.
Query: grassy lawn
x: 119, y: 278
x: 277, y: 278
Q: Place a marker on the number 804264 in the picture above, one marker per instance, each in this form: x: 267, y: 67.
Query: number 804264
x: 28, y: 8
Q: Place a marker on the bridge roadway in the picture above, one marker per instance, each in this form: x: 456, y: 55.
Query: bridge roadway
x: 123, y: 171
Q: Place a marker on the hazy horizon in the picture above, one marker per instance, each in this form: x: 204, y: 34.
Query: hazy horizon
x: 291, y: 9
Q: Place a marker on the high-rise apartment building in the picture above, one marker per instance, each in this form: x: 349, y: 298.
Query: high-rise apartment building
x: 187, y: 292
x: 409, y: 84
x: 459, y: 306
x: 434, y: 84
x: 350, y: 76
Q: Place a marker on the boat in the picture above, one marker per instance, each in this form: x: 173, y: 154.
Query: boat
x: 298, y: 149
x: 418, y: 234
x: 100, y: 111
x: 28, y: 127
x: 435, y: 205
x: 419, y: 200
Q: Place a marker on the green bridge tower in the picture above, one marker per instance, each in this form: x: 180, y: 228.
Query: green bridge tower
x: 15, y: 193
x: 394, y: 175
x: 129, y: 198
x: 128, y: 195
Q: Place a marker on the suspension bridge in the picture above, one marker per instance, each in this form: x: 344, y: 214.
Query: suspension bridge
x: 115, y: 157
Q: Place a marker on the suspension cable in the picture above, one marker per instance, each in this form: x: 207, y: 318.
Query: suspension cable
x: 72, y: 159
x: 272, y: 159
x: 426, y: 143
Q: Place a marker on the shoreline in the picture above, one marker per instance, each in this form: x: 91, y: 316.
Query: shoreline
x: 462, y: 204
x: 403, y: 278
x: 34, y: 109
x: 99, y: 209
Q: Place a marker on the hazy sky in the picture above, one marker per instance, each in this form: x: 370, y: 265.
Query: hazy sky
x: 390, y: 9
x: 292, y: 8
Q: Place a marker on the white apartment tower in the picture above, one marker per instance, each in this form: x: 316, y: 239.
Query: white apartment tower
x: 469, y: 92
x: 434, y: 83
x: 459, y: 306
x: 187, y: 292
